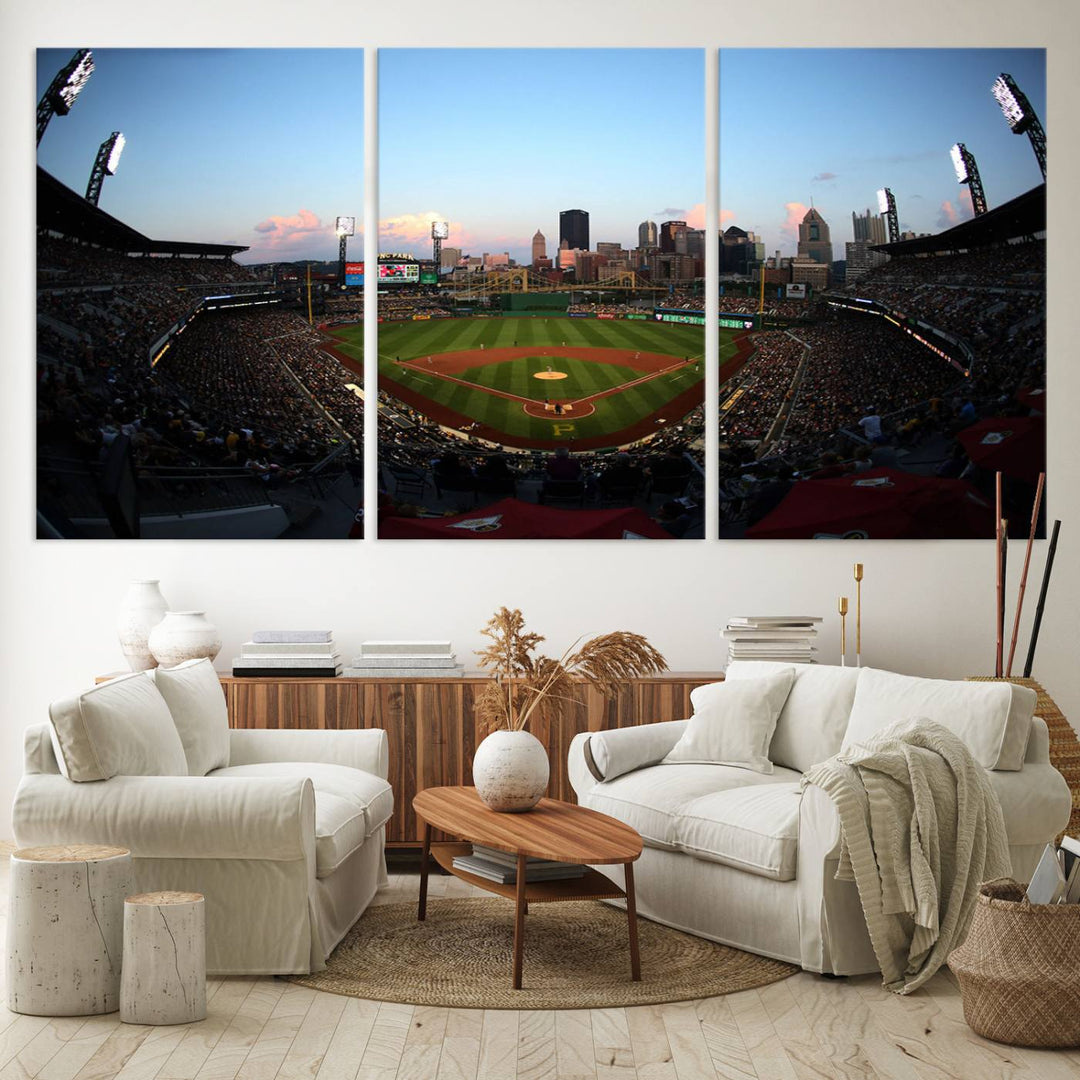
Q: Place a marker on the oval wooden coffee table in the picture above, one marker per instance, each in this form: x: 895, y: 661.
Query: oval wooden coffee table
x: 553, y: 830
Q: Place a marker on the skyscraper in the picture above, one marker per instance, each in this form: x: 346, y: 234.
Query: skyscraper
x: 574, y: 229
x: 646, y: 234
x: 539, y: 247
x: 669, y: 230
x: 868, y: 226
x: 814, y: 242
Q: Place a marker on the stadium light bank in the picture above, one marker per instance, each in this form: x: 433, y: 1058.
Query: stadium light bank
x: 105, y: 164
x: 67, y: 85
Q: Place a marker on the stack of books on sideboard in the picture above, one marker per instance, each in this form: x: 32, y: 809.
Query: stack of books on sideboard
x: 787, y: 639
x: 405, y: 660
x: 289, y: 654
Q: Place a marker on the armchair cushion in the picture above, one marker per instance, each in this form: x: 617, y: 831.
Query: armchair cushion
x: 733, y: 722
x: 369, y: 796
x: 992, y: 719
x: 193, y: 693
x: 122, y: 727
x: 617, y: 751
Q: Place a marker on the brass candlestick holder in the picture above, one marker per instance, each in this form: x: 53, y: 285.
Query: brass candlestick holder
x: 858, y: 613
x: 841, y: 607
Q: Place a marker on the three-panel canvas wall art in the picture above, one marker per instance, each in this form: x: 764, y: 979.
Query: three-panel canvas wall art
x: 867, y: 289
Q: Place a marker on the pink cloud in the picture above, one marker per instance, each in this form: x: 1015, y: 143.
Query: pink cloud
x: 796, y: 211
x: 950, y: 215
x: 277, y: 227
x: 695, y: 216
x: 726, y: 215
x: 406, y: 232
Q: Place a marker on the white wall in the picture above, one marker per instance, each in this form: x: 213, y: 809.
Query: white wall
x: 928, y: 605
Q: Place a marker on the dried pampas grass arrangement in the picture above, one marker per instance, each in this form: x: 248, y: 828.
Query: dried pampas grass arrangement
x: 524, y: 680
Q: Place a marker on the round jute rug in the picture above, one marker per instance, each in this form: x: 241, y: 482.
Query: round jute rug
x: 576, y: 957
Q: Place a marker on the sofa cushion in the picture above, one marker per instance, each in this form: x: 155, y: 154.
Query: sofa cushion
x: 992, y: 719
x: 611, y: 753
x: 193, y: 693
x: 654, y: 800
x: 366, y: 792
x: 733, y: 722
x: 811, y: 725
x: 751, y: 828
x: 119, y: 728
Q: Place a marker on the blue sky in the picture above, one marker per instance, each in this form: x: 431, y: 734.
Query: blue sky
x: 262, y: 147
x: 498, y: 141
x: 836, y: 125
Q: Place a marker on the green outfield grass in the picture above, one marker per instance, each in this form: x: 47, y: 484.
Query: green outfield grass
x: 412, y: 340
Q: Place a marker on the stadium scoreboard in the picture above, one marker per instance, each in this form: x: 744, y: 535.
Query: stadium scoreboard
x: 399, y: 273
x: 354, y: 273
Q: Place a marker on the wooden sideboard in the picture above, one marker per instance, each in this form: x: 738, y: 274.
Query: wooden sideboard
x: 432, y: 728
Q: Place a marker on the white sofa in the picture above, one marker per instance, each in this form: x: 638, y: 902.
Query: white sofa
x: 282, y: 831
x: 745, y: 858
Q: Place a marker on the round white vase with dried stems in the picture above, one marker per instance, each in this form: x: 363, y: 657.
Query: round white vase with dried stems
x: 143, y: 607
x: 510, y: 767
x: 510, y: 771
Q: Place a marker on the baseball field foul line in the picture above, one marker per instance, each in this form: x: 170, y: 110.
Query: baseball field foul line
x: 525, y: 401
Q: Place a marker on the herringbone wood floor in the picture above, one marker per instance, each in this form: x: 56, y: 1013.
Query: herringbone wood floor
x: 261, y: 1029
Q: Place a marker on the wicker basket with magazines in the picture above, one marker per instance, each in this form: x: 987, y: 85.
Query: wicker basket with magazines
x: 1019, y: 969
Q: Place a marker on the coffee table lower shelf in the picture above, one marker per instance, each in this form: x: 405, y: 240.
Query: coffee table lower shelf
x: 591, y: 886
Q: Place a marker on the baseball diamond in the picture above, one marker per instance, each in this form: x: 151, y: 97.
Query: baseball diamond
x: 536, y: 382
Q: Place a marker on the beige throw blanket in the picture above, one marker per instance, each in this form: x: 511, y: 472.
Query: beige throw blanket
x: 921, y: 829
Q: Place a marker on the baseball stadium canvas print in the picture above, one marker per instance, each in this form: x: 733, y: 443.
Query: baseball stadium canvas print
x: 541, y: 294
x: 882, y: 292
x: 196, y: 210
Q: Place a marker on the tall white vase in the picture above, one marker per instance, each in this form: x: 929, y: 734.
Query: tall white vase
x: 184, y: 635
x: 143, y: 607
x: 510, y: 771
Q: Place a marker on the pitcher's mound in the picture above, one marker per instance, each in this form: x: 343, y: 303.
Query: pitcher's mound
x: 550, y: 375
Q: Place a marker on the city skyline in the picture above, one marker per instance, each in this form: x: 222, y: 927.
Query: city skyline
x: 223, y: 145
x: 866, y: 119
x: 498, y: 165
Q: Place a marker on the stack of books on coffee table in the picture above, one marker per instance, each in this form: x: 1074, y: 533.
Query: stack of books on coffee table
x: 289, y: 654
x: 501, y: 866
x: 405, y: 660
x: 787, y: 639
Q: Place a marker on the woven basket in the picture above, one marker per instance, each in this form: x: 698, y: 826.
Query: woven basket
x: 1019, y: 969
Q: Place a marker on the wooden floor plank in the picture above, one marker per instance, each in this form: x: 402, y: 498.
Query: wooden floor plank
x: 346, y: 1049
x: 536, y: 1058
x: 798, y: 1040
x: 423, y: 1046
x: 200, y: 1039
x: 227, y: 1057
x: 841, y: 1045
x: 461, y: 1045
x: 273, y: 1042
x: 498, y: 1045
x: 766, y: 1051
x: 612, y: 1051
x: 575, y: 1057
x: 152, y: 1054
x: 730, y: 1057
x: 382, y: 1054
x: 305, y: 1055
x: 649, y: 1042
x: 689, y: 1051
x: 42, y: 1048
x: 80, y: 1048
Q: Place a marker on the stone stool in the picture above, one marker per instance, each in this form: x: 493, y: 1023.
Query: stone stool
x: 65, y: 928
x: 164, y: 980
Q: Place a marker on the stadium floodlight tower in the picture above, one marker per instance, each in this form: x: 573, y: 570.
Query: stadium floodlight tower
x: 344, y: 227
x: 1021, y: 116
x: 440, y: 231
x: 967, y: 172
x: 64, y: 89
x: 886, y: 202
x: 108, y: 158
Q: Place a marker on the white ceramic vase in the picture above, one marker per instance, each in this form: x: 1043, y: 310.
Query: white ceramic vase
x: 184, y: 635
x: 142, y: 609
x: 510, y: 771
